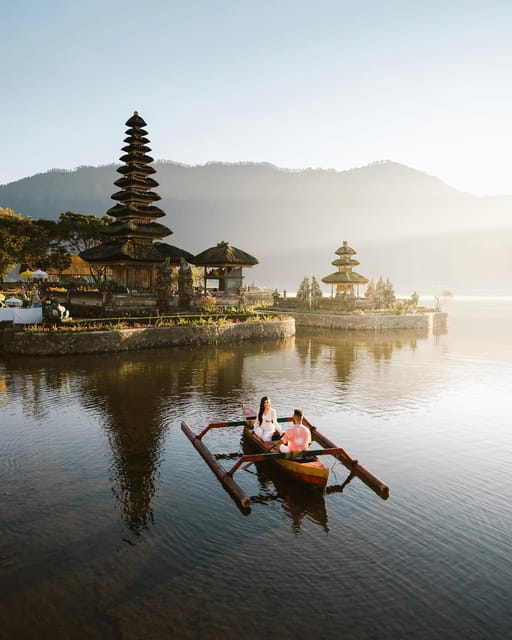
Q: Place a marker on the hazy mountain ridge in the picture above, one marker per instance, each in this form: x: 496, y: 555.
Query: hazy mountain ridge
x: 294, y: 220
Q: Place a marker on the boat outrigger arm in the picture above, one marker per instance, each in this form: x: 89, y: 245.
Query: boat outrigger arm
x: 236, y: 492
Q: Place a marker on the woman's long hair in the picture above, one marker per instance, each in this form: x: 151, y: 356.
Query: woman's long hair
x: 262, y: 409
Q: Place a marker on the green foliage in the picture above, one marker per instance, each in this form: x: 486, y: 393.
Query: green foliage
x: 59, y: 260
x: 370, y: 291
x: 304, y: 294
x: 44, y: 244
x: 206, y: 303
x: 440, y: 300
x: 11, y: 242
x: 112, y: 286
x: 79, y: 231
x: 33, y: 242
x: 346, y: 300
x: 316, y: 294
x: 382, y: 295
x: 118, y: 324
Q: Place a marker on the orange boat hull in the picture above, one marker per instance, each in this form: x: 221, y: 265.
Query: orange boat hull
x: 312, y: 473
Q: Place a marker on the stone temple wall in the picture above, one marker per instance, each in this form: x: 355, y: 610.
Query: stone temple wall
x: 80, y: 342
x: 433, y: 321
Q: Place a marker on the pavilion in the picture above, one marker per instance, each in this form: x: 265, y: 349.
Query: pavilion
x: 223, y: 264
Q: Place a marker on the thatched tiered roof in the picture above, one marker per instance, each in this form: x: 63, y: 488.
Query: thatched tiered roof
x: 130, y: 251
x: 136, y: 198
x: 78, y: 267
x: 345, y: 250
x: 130, y: 238
x: 345, y: 279
x: 224, y: 255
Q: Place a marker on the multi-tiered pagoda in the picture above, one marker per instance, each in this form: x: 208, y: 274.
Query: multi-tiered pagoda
x: 130, y: 252
x: 345, y: 279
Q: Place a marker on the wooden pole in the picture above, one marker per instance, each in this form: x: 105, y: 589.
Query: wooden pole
x: 242, y: 500
x: 219, y: 425
x: 363, y: 474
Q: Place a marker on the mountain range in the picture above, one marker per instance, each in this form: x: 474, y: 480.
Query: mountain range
x: 404, y: 225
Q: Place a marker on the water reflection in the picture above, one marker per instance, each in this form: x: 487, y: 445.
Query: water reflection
x: 136, y: 396
x: 140, y: 397
x: 275, y: 485
x: 344, y: 348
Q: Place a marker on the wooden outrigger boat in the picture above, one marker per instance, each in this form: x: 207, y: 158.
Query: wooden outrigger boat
x: 304, y: 467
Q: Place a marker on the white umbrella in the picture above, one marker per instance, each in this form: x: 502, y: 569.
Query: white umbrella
x: 13, y: 302
x: 39, y: 274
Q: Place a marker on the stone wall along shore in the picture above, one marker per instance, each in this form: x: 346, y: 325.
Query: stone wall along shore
x: 84, y: 342
x: 433, y: 321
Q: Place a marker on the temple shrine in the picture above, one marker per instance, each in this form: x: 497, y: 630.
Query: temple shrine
x: 223, y: 264
x: 345, y: 279
x: 132, y: 250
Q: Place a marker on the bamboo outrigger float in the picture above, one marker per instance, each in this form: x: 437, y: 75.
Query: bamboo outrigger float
x: 304, y: 467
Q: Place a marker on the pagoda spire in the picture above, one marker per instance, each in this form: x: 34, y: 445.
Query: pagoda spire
x: 345, y: 279
x: 132, y: 250
x: 135, y: 211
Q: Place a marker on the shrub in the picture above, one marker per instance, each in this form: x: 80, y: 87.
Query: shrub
x: 206, y: 303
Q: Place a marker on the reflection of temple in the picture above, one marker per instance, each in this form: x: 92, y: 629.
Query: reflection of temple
x: 312, y: 346
x: 134, y: 391
x: 130, y: 397
x: 139, y: 394
x: 343, y: 349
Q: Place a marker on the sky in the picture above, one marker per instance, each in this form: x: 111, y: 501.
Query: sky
x: 320, y: 83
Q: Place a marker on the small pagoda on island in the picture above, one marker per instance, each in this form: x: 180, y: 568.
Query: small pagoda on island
x: 130, y: 252
x: 345, y: 279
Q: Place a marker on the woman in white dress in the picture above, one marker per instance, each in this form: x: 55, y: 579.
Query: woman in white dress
x: 266, y: 424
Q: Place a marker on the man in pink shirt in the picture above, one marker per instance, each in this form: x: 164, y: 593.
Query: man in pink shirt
x: 296, y: 438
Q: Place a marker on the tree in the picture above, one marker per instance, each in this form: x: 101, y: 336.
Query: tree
x: 80, y: 231
x: 304, y: 293
x: 388, y: 294
x: 316, y: 293
x: 346, y: 300
x: 59, y: 259
x: 11, y: 239
x: 370, y: 291
x: 379, y: 293
x: 41, y: 241
x: 441, y: 299
x: 382, y: 294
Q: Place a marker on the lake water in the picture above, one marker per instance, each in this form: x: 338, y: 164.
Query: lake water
x: 112, y: 525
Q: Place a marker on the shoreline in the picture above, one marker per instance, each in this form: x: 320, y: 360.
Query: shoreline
x: 90, y: 342
x: 429, y: 321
